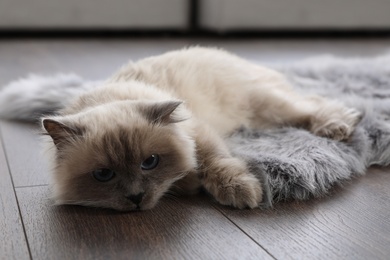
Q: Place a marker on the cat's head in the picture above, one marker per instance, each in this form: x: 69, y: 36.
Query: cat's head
x: 123, y: 155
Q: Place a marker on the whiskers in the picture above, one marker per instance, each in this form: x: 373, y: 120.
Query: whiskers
x: 179, y: 175
x: 85, y: 202
x: 171, y: 195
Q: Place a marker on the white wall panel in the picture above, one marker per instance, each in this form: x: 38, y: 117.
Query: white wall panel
x: 268, y: 14
x: 94, y: 13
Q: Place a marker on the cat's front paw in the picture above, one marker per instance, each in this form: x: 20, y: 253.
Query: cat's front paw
x: 242, y: 191
x: 337, y: 123
x: 234, y: 186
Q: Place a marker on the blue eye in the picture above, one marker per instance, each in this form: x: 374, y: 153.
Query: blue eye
x: 151, y: 162
x: 103, y: 175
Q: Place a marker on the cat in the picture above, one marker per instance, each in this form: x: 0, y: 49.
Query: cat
x: 159, y: 124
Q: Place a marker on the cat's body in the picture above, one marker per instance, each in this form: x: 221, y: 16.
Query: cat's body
x: 124, y: 144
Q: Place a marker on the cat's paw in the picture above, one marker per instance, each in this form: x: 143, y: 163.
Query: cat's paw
x: 336, y: 123
x: 234, y: 186
x: 336, y: 130
x: 242, y: 191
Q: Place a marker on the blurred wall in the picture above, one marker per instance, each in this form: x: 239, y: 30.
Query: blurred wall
x: 222, y: 15
x: 215, y: 15
x: 118, y: 14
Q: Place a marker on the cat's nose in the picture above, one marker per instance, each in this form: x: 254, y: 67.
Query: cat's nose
x: 136, y: 199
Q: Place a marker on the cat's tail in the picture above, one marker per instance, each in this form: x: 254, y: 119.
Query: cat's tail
x: 29, y: 98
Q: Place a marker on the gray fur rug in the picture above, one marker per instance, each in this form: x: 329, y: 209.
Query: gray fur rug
x: 291, y: 163
x: 294, y: 164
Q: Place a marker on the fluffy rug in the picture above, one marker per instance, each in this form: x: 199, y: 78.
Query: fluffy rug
x: 291, y: 163
x: 294, y: 164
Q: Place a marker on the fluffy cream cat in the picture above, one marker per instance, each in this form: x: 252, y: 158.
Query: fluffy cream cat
x: 160, y: 123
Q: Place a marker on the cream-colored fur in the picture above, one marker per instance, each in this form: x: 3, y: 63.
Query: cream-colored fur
x: 221, y: 92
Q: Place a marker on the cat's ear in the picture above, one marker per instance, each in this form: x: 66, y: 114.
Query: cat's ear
x: 60, y: 132
x: 162, y: 112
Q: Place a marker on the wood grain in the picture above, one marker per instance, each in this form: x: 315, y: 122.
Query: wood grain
x: 188, y: 228
x: 12, y: 240
x: 26, y: 154
x: 92, y: 59
x: 352, y: 223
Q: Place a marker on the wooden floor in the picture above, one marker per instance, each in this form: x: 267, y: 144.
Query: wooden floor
x: 352, y: 223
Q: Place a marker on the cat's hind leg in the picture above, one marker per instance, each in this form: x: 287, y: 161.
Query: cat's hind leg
x: 332, y: 119
x: 279, y: 105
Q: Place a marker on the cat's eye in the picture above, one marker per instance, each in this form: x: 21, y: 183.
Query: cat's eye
x: 151, y: 162
x: 103, y: 175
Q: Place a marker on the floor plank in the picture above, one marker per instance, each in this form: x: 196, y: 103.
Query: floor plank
x: 12, y: 240
x: 352, y: 223
x: 188, y: 228
x: 26, y: 154
x: 97, y: 59
x: 92, y: 59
